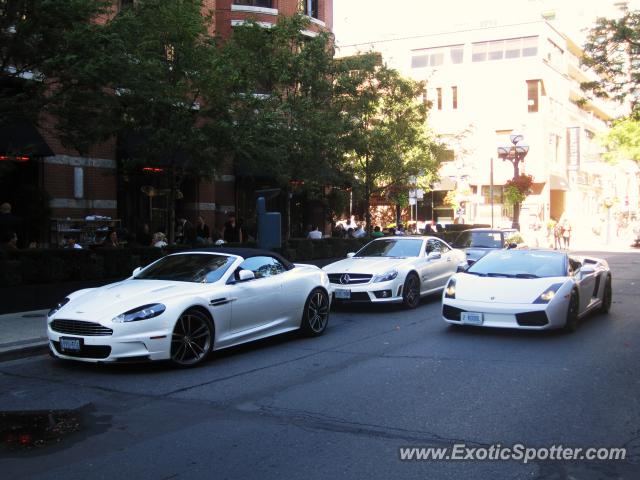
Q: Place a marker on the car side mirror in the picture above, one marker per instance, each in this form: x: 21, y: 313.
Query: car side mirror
x: 351, y: 254
x: 462, y: 267
x: 434, y: 256
x: 512, y: 245
x: 244, y: 275
x: 136, y: 271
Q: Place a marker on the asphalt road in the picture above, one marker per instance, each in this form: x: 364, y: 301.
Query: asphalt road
x: 342, y: 405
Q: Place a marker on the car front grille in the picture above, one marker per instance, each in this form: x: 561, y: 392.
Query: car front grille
x: 79, y: 327
x: 349, y: 278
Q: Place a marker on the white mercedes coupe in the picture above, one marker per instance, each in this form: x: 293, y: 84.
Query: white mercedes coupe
x: 187, y: 304
x: 528, y: 289
x: 394, y: 269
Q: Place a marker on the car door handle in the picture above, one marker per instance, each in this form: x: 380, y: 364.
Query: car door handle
x: 215, y: 302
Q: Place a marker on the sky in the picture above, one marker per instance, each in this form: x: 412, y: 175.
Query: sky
x: 365, y: 21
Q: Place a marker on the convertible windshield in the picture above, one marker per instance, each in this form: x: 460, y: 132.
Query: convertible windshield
x: 391, y: 248
x: 197, y: 268
x: 479, y: 240
x: 520, y: 264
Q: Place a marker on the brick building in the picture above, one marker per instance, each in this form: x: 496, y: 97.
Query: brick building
x: 80, y: 186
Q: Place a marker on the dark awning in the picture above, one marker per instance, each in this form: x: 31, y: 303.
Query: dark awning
x: 23, y: 138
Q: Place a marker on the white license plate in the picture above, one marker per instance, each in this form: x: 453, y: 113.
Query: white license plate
x: 471, y: 318
x: 70, y: 344
x: 343, y: 294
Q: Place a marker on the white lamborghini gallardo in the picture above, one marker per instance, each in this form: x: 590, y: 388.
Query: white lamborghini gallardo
x: 528, y: 289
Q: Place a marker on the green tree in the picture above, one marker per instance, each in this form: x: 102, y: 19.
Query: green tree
x: 154, y: 78
x: 386, y: 141
x: 285, y: 120
x: 612, y: 49
x: 622, y: 140
x: 34, y: 36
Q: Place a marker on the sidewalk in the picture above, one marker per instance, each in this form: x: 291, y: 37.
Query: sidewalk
x: 23, y: 334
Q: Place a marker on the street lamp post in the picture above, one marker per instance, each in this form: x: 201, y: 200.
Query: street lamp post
x: 515, y: 153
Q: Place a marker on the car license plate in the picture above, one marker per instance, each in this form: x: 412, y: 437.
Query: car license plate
x: 72, y: 345
x: 471, y: 318
x: 343, y: 294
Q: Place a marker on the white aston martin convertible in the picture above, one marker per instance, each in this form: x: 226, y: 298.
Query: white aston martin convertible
x: 185, y: 305
x: 528, y: 289
x: 394, y: 269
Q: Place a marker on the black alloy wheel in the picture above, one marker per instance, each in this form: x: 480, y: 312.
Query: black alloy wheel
x: 607, y: 296
x: 572, y: 313
x: 192, y: 339
x: 411, y: 291
x: 316, y: 313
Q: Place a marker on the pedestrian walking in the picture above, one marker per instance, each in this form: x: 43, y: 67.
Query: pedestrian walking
x: 566, y: 233
x: 557, y: 236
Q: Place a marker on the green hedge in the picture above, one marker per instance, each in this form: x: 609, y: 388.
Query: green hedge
x: 31, y: 267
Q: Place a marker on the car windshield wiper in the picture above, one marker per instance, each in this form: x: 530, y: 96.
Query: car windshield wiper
x: 476, y: 273
x: 495, y: 274
x: 526, y: 275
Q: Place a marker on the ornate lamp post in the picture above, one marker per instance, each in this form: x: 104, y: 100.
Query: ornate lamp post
x: 515, y: 153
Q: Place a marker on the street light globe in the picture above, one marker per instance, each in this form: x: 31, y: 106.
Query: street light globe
x: 516, y: 137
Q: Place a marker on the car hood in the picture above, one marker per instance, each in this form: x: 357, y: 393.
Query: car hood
x: 474, y: 288
x: 371, y: 265
x: 116, y: 298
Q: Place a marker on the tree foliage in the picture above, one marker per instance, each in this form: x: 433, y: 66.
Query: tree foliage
x: 284, y: 116
x: 35, y: 35
x: 387, y: 145
x: 622, y: 141
x: 612, y: 49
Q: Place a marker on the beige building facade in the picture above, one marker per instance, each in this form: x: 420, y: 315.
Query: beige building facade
x: 493, y: 80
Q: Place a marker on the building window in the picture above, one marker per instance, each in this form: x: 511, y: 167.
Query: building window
x: 454, y: 97
x: 434, y: 57
x: 495, y: 50
x: 309, y: 8
x: 504, y: 49
x: 479, y: 52
x: 456, y: 53
x: 512, y: 48
x: 254, y: 3
x: 532, y: 95
x: 439, y: 92
x: 529, y: 46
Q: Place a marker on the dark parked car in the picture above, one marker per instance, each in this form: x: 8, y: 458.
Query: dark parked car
x: 477, y: 242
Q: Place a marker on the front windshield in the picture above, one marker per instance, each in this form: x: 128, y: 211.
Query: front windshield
x: 197, y: 268
x: 520, y: 264
x: 391, y: 248
x: 479, y: 240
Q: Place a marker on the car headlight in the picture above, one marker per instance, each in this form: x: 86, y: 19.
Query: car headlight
x: 140, y: 313
x: 55, y: 309
x: 548, y: 294
x: 385, y: 277
x: 450, y: 289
